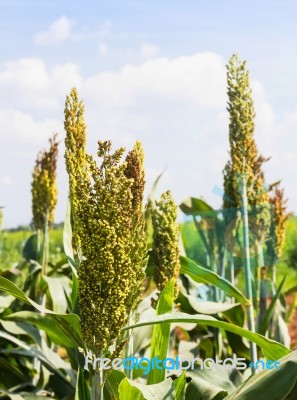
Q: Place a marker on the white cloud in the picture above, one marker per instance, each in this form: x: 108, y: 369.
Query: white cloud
x: 6, y: 180
x: 59, y: 31
x: 197, y: 80
x: 28, y: 82
x: 21, y: 127
x: 149, y: 50
x: 102, y: 48
x: 176, y: 106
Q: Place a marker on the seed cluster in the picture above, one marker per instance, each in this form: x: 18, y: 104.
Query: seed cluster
x: 44, y: 187
x: 278, y: 221
x: 165, y: 241
x: 245, y: 160
x: 108, y: 222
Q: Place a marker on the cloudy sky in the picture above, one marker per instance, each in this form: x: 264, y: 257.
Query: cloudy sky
x: 149, y: 70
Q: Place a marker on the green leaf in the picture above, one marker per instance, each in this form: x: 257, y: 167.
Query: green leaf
x: 203, y: 275
x: 269, y: 313
x: 56, y: 287
x: 21, y: 328
x: 52, y: 328
x: 282, y: 331
x: 224, y: 378
x: 113, y: 381
x: 194, y: 206
x: 30, y: 248
x: 67, y: 239
x: 271, y: 384
x: 179, y: 386
x: 82, y: 391
x: 200, y: 388
x: 161, y: 333
x: 11, y: 395
x: 69, y: 323
x: 208, y: 307
x: 9, y: 287
x: 271, y: 349
x: 33, y: 352
x: 11, y: 373
x: 35, y: 396
x: 130, y: 390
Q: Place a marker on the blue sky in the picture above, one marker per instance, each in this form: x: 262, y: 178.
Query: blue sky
x: 149, y: 70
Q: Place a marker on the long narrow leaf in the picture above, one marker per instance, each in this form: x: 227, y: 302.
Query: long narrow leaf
x: 69, y: 323
x: 52, y: 328
x: 271, y: 349
x: 203, y: 275
x: 271, y: 384
x: 130, y: 390
x: 270, y: 310
x: 161, y: 333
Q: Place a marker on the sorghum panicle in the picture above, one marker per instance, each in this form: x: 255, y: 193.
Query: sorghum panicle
x: 106, y: 204
x: 165, y: 241
x: 245, y: 160
x: 44, y: 187
x: 278, y: 221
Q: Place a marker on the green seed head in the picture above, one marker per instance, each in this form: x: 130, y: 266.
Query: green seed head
x: 245, y: 161
x: 44, y: 187
x: 106, y: 204
x: 165, y: 241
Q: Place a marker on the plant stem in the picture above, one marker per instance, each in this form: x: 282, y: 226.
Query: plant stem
x: 232, y: 276
x: 38, y: 255
x: 130, y: 347
x: 45, y: 247
x: 97, y: 383
x: 261, y: 285
x: 260, y: 263
x: 248, y: 275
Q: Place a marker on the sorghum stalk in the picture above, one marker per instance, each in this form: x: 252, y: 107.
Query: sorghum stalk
x: 245, y: 160
x: 44, y: 196
x: 165, y: 241
x: 135, y: 170
x: 108, y: 224
x: 277, y: 227
x: 248, y: 277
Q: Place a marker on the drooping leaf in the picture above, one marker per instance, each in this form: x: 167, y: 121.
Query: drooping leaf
x: 203, y: 275
x: 271, y: 384
x: 179, y: 386
x: 269, y: 312
x: 30, y: 351
x: 131, y: 390
x: 30, y: 248
x: 113, y: 381
x: 271, y: 349
x: 194, y: 206
x: 52, y: 328
x: 56, y: 287
x: 82, y: 391
x: 69, y: 323
x: 200, y: 388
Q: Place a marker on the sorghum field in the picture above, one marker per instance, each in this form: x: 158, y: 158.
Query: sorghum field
x: 123, y: 301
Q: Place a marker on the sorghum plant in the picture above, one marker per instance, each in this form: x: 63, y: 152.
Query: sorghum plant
x: 44, y: 187
x: 108, y: 223
x: 245, y: 162
x: 165, y: 241
x: 277, y: 234
x: 44, y: 194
